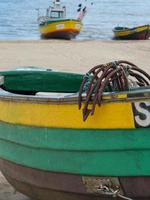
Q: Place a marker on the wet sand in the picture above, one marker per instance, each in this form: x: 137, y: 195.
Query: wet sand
x: 77, y: 56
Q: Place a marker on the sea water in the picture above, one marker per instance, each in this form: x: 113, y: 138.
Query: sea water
x: 18, y: 18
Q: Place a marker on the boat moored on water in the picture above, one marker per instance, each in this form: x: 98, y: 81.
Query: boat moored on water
x: 49, y: 148
x: 136, y: 33
x: 56, y: 25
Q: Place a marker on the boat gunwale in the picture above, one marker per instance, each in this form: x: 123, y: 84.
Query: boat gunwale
x: 147, y: 27
x: 50, y: 21
x: 72, y: 98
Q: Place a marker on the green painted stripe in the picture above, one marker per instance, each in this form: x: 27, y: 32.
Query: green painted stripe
x: 76, y: 139
x: 38, y: 80
x: 90, y: 152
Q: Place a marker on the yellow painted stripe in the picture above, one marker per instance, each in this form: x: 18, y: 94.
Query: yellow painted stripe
x: 115, y: 96
x: 62, y: 25
x: 111, y: 115
x: 142, y: 28
x: 123, y: 33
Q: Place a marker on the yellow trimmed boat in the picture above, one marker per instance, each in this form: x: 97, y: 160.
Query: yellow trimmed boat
x: 136, y: 33
x: 49, y: 148
x: 56, y: 25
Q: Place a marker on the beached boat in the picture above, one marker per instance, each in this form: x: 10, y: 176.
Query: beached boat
x: 136, y: 33
x: 56, y: 25
x: 47, y: 150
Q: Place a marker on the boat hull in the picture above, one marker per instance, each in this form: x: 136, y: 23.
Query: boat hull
x: 84, y: 152
x: 60, y: 29
x: 138, y: 33
x: 47, y: 150
x: 40, y: 185
x: 67, y: 34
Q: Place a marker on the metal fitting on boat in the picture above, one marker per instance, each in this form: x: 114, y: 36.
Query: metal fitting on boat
x: 114, y: 193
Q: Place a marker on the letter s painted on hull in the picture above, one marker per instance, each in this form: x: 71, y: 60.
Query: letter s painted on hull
x: 142, y: 114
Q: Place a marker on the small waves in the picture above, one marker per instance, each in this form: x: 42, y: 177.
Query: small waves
x: 18, y: 19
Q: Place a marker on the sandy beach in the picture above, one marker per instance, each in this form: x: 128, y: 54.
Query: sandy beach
x: 7, y: 192
x: 77, y: 56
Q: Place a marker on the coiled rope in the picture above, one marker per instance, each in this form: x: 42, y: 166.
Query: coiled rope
x: 114, y: 76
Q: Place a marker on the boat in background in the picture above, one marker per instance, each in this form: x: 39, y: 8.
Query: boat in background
x: 48, y: 151
x: 136, y: 33
x: 56, y: 25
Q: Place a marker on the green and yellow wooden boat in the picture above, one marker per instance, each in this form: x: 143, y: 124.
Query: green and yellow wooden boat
x: 136, y: 33
x: 47, y: 150
x: 56, y: 25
